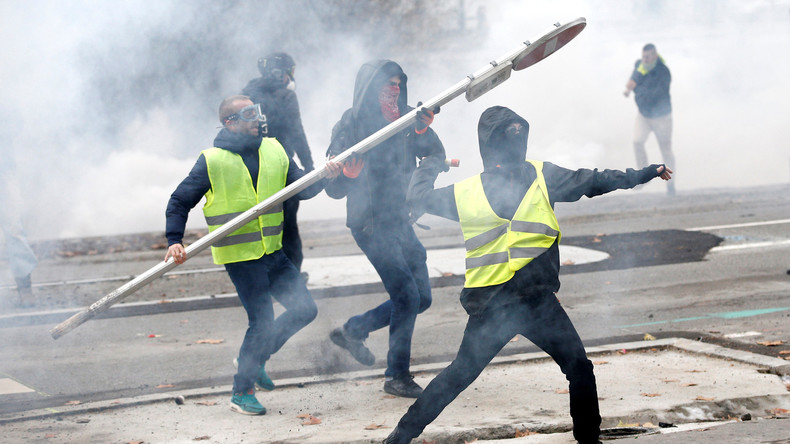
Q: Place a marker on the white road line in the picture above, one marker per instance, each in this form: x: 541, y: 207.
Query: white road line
x: 746, y: 224
x: 751, y: 245
x: 8, y: 386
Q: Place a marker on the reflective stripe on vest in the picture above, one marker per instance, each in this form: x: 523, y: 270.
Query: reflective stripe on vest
x: 232, y: 194
x: 495, y: 247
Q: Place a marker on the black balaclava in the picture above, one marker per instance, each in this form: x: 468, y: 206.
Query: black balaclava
x: 500, y: 147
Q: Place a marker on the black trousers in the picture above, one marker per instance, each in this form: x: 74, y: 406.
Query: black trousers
x: 292, y: 243
x: 542, y: 320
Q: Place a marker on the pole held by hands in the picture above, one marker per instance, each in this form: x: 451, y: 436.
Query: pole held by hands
x: 474, y: 85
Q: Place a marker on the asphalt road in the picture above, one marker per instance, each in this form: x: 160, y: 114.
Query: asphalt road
x: 711, y: 265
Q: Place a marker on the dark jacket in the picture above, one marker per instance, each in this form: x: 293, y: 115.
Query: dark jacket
x: 377, y: 197
x: 283, y: 119
x: 192, y: 189
x: 652, y: 90
x: 505, y: 187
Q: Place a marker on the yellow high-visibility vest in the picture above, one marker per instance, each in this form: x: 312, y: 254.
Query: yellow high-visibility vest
x: 232, y: 193
x: 495, y: 247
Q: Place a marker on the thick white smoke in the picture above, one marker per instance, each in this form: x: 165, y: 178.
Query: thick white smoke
x: 94, y: 159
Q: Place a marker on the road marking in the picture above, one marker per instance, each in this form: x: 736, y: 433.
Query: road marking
x: 8, y: 387
x: 746, y: 334
x: 745, y: 224
x: 725, y: 315
x: 750, y: 245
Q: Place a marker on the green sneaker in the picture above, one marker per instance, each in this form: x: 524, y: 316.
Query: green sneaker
x: 263, y: 381
x: 246, y: 404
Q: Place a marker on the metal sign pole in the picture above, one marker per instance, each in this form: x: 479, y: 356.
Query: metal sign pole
x: 475, y: 85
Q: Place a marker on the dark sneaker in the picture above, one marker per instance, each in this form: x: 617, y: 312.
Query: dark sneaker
x: 263, y: 381
x: 397, y: 437
x: 354, y: 346
x: 403, y: 386
x: 246, y: 404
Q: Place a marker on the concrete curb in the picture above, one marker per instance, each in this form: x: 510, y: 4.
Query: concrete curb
x: 766, y: 363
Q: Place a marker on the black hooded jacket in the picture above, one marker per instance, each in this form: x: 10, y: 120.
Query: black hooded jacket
x: 192, y: 189
x: 284, y: 121
x: 506, y: 179
x: 377, y: 197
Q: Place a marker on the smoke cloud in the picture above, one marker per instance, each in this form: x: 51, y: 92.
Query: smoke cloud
x: 107, y: 105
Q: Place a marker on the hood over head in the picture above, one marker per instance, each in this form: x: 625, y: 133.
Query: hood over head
x: 496, y: 147
x: 370, y: 78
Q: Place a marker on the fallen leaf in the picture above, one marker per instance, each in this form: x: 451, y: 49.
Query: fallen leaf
x: 787, y: 358
x: 596, y: 240
x: 695, y: 371
x: 115, y: 402
x: 202, y: 438
x: 164, y: 386
x: 209, y: 341
x: 525, y: 432
x: 622, y: 351
x: 689, y: 384
x: 649, y: 337
x: 162, y: 301
x: 649, y: 425
x: 311, y: 420
x: 375, y: 427
x: 670, y: 380
x: 434, y: 442
x: 784, y: 352
x: 703, y: 398
x: 568, y: 262
x: 650, y: 395
x: 770, y: 343
x: 50, y: 435
x: 561, y: 391
x: 623, y: 424
x: 778, y: 412
x: 514, y: 339
x: 136, y: 442
x: 447, y: 274
x: 207, y: 403
x: 303, y: 415
x: 600, y: 362
x: 73, y: 403
x: 465, y: 442
x: 388, y: 397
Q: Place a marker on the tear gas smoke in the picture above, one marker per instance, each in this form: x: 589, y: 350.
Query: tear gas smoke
x: 133, y: 88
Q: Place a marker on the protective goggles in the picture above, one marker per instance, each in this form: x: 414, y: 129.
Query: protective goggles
x: 250, y: 113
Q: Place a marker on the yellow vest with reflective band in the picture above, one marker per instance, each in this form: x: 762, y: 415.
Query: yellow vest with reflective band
x: 232, y: 193
x: 495, y: 247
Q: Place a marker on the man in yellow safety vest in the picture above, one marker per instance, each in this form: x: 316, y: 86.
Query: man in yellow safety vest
x: 240, y: 171
x: 512, y: 264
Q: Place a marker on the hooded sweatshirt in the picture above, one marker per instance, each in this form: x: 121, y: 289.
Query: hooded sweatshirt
x: 284, y: 121
x: 192, y: 189
x: 506, y: 179
x: 377, y: 197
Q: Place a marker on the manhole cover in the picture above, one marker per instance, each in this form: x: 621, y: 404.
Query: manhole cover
x: 623, y: 432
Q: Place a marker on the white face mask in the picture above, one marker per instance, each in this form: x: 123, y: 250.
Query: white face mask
x: 291, y: 85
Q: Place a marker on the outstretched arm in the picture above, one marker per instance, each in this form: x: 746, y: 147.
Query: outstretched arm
x: 570, y: 185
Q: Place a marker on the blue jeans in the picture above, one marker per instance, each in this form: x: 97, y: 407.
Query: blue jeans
x: 257, y: 282
x: 399, y: 259
x: 539, y: 318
